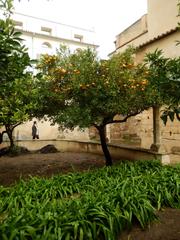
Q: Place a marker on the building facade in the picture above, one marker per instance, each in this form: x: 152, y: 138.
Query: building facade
x: 155, y: 30
x: 43, y: 36
x: 158, y: 29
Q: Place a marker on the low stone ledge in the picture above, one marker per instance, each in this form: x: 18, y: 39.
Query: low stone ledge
x: 123, y: 152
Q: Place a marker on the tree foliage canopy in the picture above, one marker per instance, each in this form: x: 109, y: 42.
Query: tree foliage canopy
x: 17, y: 87
x: 82, y: 90
x: 164, y: 77
x: 93, y: 91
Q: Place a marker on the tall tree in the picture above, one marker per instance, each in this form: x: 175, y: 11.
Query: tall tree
x: 17, y: 87
x: 86, y: 91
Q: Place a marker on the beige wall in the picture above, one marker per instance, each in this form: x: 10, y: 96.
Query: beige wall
x: 138, y: 130
x: 48, y: 131
x: 162, y: 16
x: 160, y: 19
x: 133, y: 33
x: 161, y: 23
x: 167, y: 44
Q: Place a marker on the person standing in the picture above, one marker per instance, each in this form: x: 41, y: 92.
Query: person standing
x: 35, y: 131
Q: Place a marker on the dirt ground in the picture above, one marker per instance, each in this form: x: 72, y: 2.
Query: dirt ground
x: 37, y: 164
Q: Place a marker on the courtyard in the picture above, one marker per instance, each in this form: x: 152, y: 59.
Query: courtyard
x: 12, y: 169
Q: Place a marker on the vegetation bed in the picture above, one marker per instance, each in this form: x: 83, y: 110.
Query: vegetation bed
x: 97, y: 204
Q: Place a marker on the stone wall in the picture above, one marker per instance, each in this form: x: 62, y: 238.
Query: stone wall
x: 138, y: 131
x: 47, y: 131
x: 117, y: 152
x: 162, y: 16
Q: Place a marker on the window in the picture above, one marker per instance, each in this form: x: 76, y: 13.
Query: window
x: 18, y: 24
x: 38, y: 56
x: 79, y: 37
x: 46, y: 30
x: 46, y: 48
x: 46, y: 45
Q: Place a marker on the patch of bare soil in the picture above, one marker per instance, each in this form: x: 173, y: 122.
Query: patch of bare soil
x: 49, y: 164
x: 166, y: 227
x: 46, y: 165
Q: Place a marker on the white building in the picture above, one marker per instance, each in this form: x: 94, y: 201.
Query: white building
x: 44, y: 36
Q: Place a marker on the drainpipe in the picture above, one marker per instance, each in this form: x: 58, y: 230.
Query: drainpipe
x: 108, y: 133
x: 32, y: 45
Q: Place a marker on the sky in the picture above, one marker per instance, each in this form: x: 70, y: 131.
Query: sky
x: 107, y: 17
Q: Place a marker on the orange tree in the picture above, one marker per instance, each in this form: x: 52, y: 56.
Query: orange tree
x: 164, y: 78
x: 78, y: 89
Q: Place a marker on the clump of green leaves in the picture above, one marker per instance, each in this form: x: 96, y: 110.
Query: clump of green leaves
x: 17, y: 87
x: 164, y: 78
x: 91, y: 205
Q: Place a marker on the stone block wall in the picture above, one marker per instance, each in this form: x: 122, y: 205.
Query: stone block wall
x: 138, y: 131
x: 134, y: 131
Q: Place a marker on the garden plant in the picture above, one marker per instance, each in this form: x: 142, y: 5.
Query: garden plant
x: 97, y: 204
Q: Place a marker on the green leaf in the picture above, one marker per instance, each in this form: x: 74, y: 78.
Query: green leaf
x: 171, y: 115
x: 164, y: 118
x: 81, y: 234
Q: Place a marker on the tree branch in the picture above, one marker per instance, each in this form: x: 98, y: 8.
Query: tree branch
x: 125, y: 118
x: 17, y: 124
x: 178, y: 117
x: 96, y: 126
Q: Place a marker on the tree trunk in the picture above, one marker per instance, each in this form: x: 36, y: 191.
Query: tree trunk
x: 1, y: 136
x: 104, y: 146
x: 9, y: 131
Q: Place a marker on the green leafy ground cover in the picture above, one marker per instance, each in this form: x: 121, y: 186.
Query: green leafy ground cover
x: 92, y: 205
